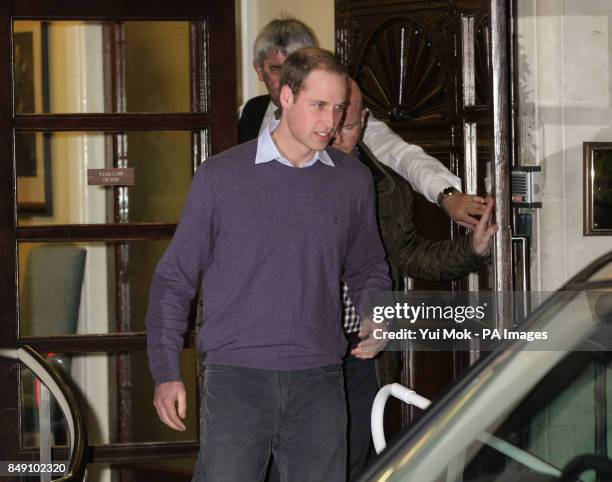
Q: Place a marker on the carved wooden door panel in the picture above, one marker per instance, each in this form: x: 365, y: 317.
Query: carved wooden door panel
x: 408, y: 58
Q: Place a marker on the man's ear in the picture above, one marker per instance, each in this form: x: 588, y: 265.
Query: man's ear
x: 286, y: 96
x: 258, y: 70
x: 364, y: 116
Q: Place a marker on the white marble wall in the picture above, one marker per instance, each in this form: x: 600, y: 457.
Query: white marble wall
x: 565, y: 67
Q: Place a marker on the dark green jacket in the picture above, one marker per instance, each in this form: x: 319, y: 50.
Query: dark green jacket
x: 407, y: 252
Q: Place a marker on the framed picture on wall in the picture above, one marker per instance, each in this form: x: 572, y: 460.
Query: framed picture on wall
x: 597, y: 188
x: 32, y: 149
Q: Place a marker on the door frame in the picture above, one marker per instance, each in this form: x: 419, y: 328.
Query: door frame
x: 213, y: 102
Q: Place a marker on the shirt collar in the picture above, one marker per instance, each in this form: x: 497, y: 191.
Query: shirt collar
x: 267, y: 150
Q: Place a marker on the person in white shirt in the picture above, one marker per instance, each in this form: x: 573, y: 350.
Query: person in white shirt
x: 426, y: 174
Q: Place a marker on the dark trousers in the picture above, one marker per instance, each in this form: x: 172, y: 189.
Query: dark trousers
x: 361, y: 386
x: 297, y: 416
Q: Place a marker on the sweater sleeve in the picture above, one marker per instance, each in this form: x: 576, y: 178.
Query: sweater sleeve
x: 365, y: 270
x: 441, y: 260
x: 434, y: 260
x: 425, y: 173
x: 176, y: 279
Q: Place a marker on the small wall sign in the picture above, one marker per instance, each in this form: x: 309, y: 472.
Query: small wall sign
x: 110, y: 177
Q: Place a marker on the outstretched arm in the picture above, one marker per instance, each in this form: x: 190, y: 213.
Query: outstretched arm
x: 425, y: 173
x: 441, y: 260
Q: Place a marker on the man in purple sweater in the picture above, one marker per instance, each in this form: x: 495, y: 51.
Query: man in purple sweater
x: 271, y: 226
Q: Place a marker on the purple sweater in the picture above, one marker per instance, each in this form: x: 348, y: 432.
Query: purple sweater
x: 271, y: 244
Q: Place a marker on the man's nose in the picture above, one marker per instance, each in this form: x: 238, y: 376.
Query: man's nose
x: 330, y: 119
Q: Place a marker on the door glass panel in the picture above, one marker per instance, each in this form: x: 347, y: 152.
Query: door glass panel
x: 72, y: 288
x: 106, y: 399
x: 33, y: 407
x: 162, y: 160
x: 482, y: 54
x: 52, y: 182
x: 60, y: 66
x: 475, y: 59
x: 157, y: 66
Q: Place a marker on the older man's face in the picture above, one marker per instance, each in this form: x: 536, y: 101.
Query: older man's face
x: 269, y: 73
x: 349, y: 133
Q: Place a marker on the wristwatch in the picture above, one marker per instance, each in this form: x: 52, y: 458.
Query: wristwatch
x: 446, y: 193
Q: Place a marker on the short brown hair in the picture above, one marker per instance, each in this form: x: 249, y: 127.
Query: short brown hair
x: 302, y: 62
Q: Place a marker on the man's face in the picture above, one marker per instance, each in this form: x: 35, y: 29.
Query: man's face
x: 314, y: 114
x: 349, y: 133
x: 269, y: 73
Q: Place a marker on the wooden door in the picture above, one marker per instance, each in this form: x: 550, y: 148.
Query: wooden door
x: 148, y: 86
x: 425, y: 69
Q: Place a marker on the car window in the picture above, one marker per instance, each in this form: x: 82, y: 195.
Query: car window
x: 564, y: 416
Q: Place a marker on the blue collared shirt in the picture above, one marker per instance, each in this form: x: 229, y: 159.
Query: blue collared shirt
x: 267, y: 150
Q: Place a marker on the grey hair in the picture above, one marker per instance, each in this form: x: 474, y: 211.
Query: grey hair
x: 285, y: 35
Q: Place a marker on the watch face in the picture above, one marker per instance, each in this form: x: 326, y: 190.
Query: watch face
x: 446, y: 192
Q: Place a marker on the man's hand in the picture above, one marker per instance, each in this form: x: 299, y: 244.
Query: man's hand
x: 461, y: 206
x: 369, y: 346
x: 167, y: 396
x: 484, y: 230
